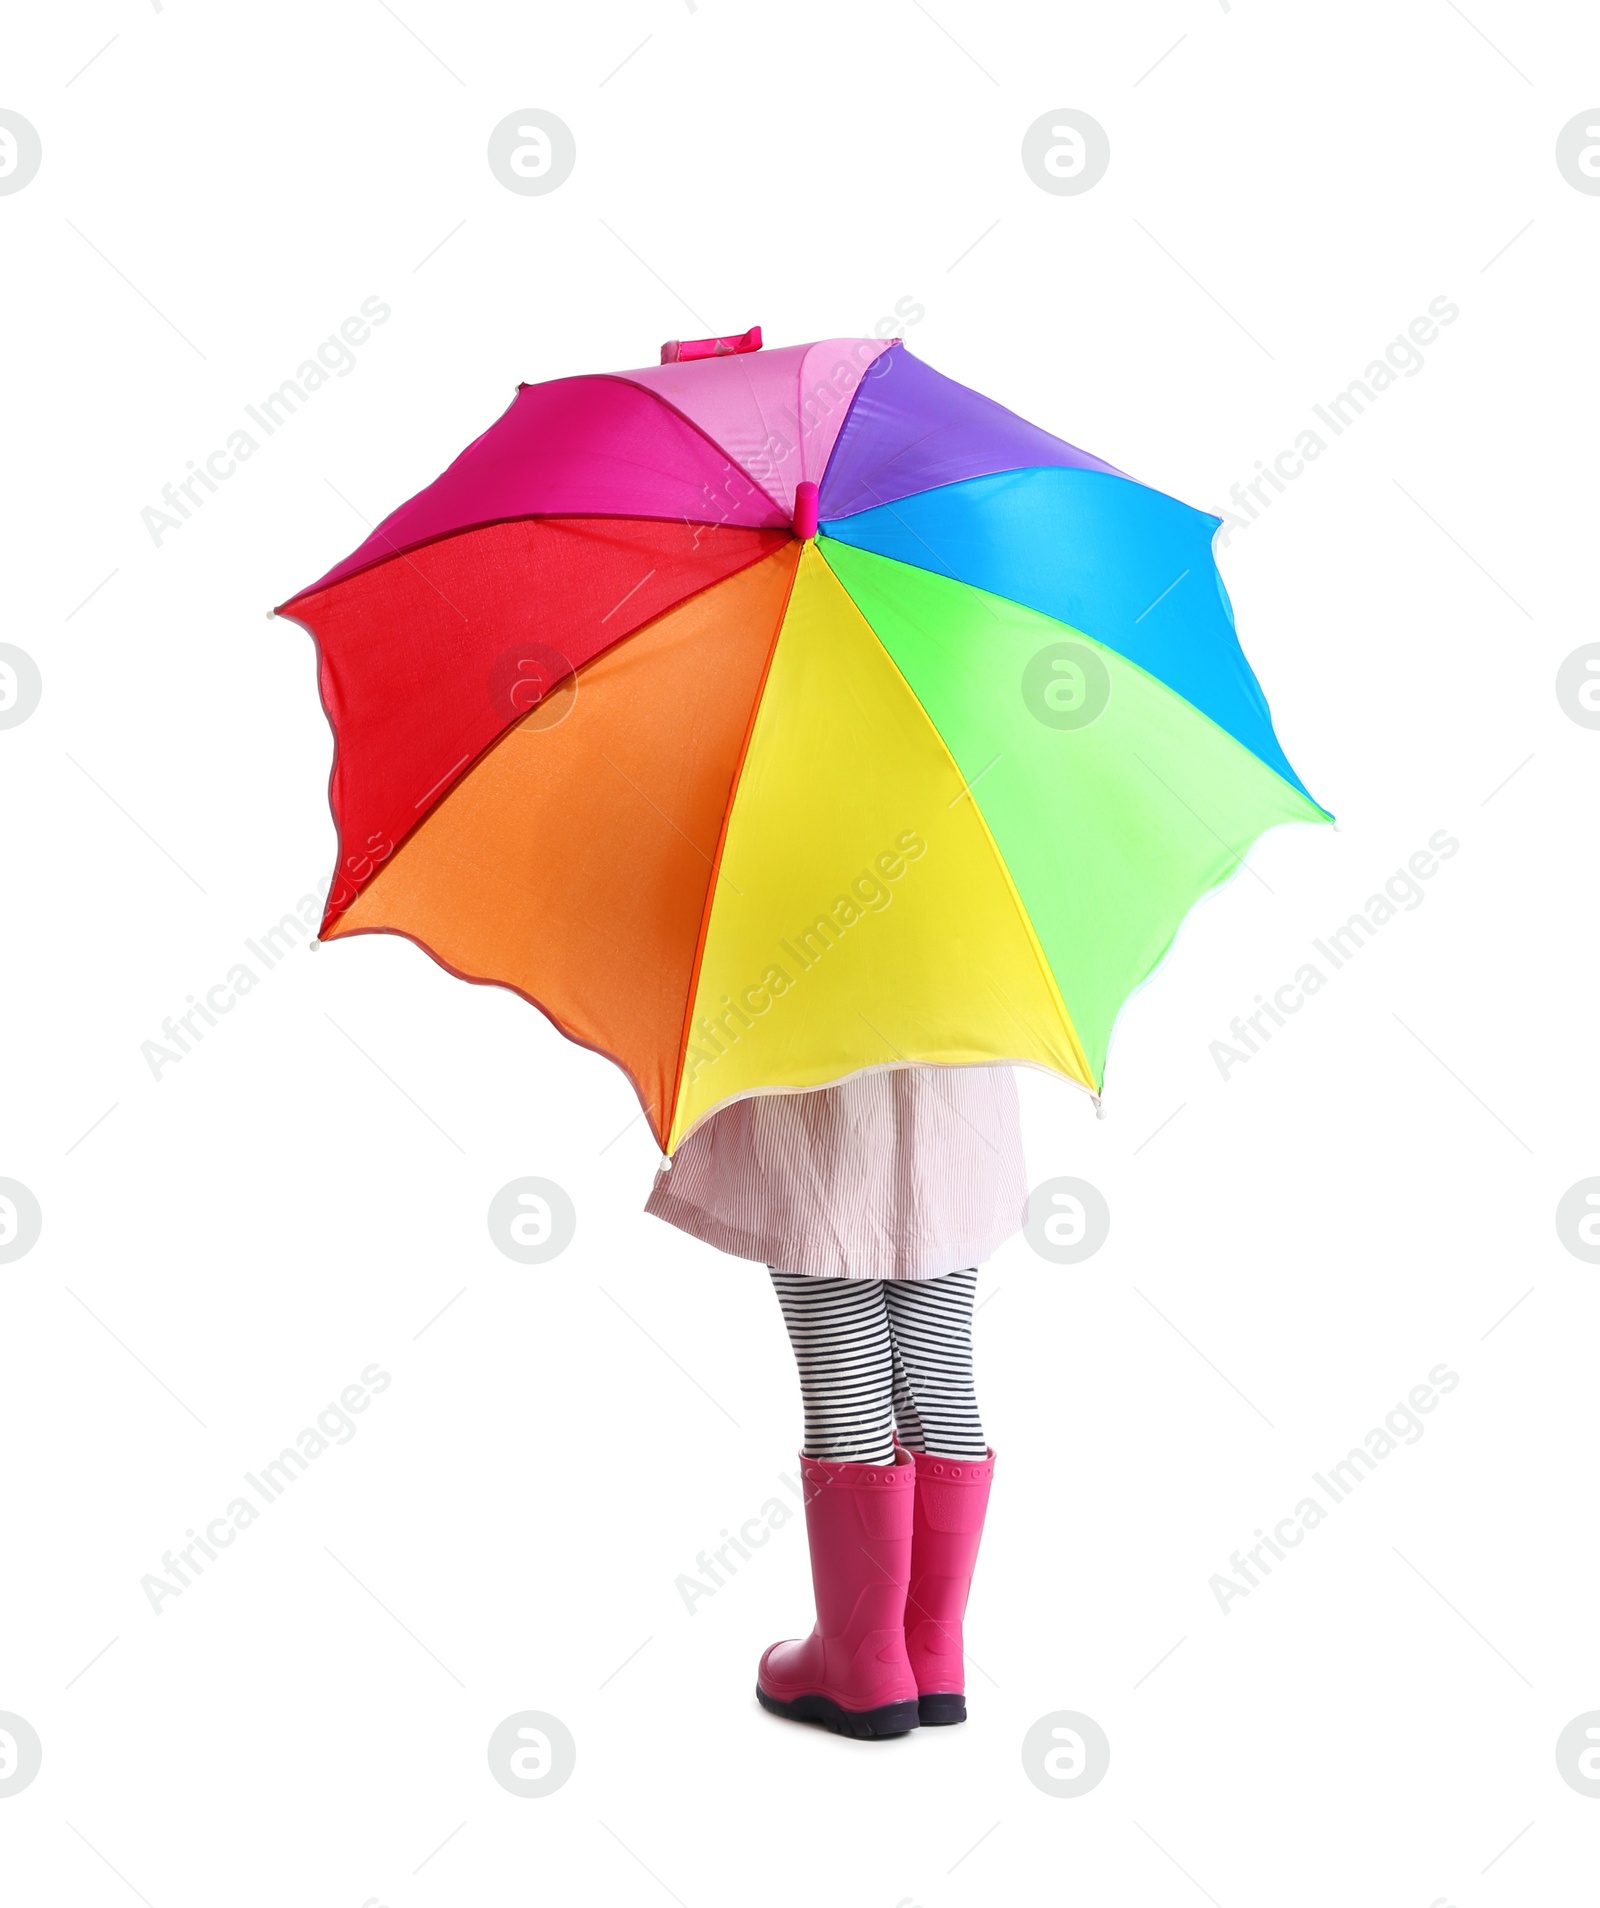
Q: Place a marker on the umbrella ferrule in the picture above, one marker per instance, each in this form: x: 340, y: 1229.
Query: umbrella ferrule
x: 805, y: 510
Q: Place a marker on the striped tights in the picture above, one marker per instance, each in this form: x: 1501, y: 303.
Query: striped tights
x: 878, y: 1356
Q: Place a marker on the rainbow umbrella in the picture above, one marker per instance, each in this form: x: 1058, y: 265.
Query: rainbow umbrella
x: 765, y: 716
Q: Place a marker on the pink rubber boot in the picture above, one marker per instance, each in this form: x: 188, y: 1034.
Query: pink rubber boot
x: 951, y: 1497
x: 851, y: 1674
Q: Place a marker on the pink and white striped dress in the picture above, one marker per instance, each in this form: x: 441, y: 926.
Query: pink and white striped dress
x: 904, y: 1172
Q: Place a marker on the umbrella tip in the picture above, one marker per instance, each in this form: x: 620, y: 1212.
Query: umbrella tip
x: 805, y: 510
x: 1099, y: 1107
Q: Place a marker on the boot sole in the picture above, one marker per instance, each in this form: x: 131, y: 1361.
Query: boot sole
x: 933, y: 1711
x: 889, y: 1719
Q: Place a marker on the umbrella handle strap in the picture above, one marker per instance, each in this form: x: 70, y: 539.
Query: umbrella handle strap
x: 679, y: 350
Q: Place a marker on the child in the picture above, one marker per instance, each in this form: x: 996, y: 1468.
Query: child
x: 872, y: 1203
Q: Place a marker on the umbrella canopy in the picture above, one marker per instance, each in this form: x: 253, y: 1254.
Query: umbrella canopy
x: 765, y: 716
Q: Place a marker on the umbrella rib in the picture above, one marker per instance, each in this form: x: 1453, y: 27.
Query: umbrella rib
x: 938, y: 560
x: 1047, y: 972
x: 714, y: 524
x: 849, y: 410
x: 449, y: 772
x: 669, y: 1112
x: 716, y: 871
x: 470, y: 761
x: 968, y: 787
x: 396, y: 550
x: 700, y: 430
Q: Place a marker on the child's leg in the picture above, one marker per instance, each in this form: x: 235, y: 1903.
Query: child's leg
x: 936, y: 1410
x: 935, y: 1402
x: 840, y: 1332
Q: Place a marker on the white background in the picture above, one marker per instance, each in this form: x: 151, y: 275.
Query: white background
x: 1292, y: 1249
